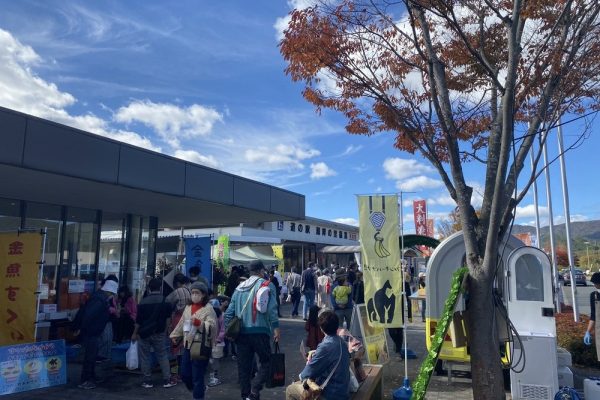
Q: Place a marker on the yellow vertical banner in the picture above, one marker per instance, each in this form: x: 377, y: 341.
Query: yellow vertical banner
x: 278, y: 253
x: 19, y: 257
x: 382, y: 272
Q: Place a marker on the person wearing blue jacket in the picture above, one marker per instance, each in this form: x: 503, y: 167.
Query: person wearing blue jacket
x: 255, y: 303
x: 330, y: 360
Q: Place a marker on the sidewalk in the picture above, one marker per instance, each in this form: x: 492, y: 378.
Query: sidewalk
x: 125, y: 385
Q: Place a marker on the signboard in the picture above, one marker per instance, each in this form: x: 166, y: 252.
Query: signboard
x: 19, y: 271
x: 76, y: 286
x: 197, y: 255
x: 382, y: 273
x: 32, y: 366
x: 420, y: 214
x: 373, y: 339
x: 278, y: 253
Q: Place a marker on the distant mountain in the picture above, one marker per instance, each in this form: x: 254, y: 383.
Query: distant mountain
x: 582, y: 230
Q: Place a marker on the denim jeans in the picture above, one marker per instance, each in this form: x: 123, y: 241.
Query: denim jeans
x: 90, y: 346
x: 344, y: 313
x: 157, y: 342
x: 192, y: 374
x: 295, y: 301
x: 309, y: 301
x: 247, y: 346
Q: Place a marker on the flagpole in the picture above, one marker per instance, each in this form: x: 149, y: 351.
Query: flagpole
x: 565, y: 190
x: 551, y: 222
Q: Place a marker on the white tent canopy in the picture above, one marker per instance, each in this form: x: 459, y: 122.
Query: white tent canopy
x: 255, y: 254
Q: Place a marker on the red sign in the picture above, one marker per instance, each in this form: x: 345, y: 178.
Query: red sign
x: 420, y: 214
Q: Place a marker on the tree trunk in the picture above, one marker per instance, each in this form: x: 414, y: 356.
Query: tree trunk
x: 486, y: 367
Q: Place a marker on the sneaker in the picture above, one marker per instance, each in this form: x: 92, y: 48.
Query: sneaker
x: 170, y: 383
x: 234, y: 358
x: 147, y: 385
x: 213, y: 381
x: 87, y: 385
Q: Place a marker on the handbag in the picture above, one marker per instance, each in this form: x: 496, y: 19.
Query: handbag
x: 312, y: 391
x: 235, y: 324
x: 200, y: 349
x: 276, y: 369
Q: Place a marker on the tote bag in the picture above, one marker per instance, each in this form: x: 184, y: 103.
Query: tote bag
x: 276, y: 369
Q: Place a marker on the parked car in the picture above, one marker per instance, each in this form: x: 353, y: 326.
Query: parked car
x: 580, y: 278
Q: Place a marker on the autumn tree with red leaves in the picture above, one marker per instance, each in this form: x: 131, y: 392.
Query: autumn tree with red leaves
x: 455, y: 81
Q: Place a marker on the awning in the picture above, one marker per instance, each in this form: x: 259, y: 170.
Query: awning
x: 257, y: 255
x: 340, y: 249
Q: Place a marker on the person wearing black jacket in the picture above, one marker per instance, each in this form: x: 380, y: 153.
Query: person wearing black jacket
x: 89, y: 325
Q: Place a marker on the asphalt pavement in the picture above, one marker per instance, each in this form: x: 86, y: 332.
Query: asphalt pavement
x: 125, y: 385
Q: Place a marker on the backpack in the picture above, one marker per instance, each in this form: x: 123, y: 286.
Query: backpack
x: 261, y: 299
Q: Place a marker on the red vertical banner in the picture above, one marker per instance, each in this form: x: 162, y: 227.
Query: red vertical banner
x: 430, y: 229
x: 420, y: 214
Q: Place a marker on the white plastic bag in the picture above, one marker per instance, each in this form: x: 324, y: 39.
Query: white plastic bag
x: 131, y: 357
x: 354, y: 385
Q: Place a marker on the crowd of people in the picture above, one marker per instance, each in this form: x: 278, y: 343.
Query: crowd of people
x: 189, y: 322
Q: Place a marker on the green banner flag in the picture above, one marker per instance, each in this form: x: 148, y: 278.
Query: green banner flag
x: 382, y: 272
x: 222, y: 255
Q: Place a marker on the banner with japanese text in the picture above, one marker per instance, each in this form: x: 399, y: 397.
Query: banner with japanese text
x: 32, y: 366
x: 430, y: 227
x: 278, y: 253
x: 380, y: 246
x: 197, y: 255
x: 19, y: 272
x: 420, y: 214
x: 222, y: 256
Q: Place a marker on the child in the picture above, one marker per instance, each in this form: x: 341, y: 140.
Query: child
x: 217, y: 352
x: 341, y: 299
x: 314, y: 334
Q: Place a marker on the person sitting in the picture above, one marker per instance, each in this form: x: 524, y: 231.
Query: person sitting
x: 314, y: 334
x: 328, y: 367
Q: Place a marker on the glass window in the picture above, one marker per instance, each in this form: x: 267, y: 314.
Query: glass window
x: 529, y: 275
x: 78, y: 257
x: 112, y: 238
x: 39, y: 216
x: 10, y: 215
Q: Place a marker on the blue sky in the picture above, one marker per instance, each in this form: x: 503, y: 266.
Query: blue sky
x: 204, y: 81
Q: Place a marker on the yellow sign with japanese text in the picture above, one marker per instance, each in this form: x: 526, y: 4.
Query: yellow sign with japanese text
x: 19, y: 257
x: 382, y: 272
x: 278, y: 253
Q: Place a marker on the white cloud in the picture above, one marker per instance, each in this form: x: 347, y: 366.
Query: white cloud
x: 321, y: 170
x: 418, y: 183
x: 281, y: 23
x: 24, y: 91
x: 170, y: 121
x: 351, y: 149
x: 347, y: 221
x: 281, y: 156
x: 401, y: 168
x: 560, y: 219
x: 442, y: 200
x: 195, y: 157
x: 528, y: 211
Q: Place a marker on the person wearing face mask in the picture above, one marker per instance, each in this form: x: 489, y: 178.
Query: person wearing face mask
x: 150, y: 329
x: 198, y: 320
x: 591, y: 331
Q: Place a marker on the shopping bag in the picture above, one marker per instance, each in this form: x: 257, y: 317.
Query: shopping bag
x: 276, y: 369
x: 131, y: 356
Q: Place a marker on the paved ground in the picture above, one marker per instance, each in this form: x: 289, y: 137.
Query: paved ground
x: 125, y: 385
